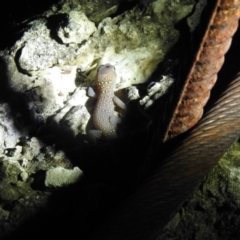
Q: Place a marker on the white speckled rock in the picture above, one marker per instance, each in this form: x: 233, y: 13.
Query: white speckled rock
x: 76, y: 119
x: 59, y: 176
x: 9, y: 134
x: 156, y: 90
x: 46, y: 71
x: 77, y: 29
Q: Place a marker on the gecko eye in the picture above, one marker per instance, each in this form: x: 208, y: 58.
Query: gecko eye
x: 108, y: 65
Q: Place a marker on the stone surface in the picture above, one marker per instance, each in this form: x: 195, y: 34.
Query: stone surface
x: 46, y: 74
x: 77, y: 29
x: 58, y: 177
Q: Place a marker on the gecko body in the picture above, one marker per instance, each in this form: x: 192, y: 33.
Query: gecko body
x: 104, y: 119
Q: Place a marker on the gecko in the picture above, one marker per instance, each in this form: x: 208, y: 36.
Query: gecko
x: 103, y: 116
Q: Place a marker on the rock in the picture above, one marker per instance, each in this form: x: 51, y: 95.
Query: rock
x: 77, y: 29
x: 59, y: 177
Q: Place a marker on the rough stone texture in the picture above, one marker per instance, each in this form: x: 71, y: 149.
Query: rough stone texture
x: 58, y: 177
x: 212, y: 212
x: 8, y: 131
x: 49, y: 76
x: 49, y: 66
x: 133, y: 93
x: 40, y: 53
x: 77, y: 29
x: 156, y: 90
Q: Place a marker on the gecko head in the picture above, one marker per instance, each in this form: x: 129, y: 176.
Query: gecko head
x: 106, y: 77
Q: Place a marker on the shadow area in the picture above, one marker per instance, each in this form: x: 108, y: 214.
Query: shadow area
x: 112, y: 170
